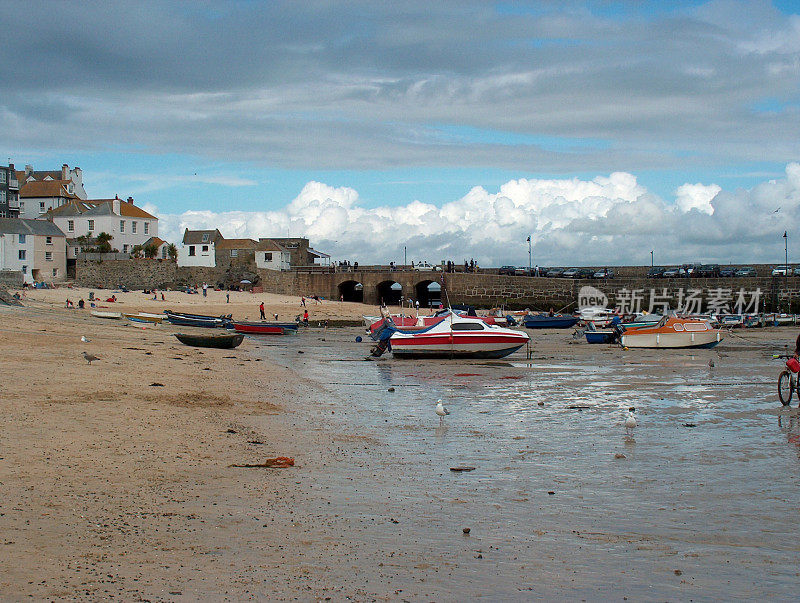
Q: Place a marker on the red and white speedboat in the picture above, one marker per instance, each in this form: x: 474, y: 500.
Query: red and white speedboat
x: 458, y: 337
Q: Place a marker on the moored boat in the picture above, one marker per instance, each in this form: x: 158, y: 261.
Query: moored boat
x: 223, y: 341
x: 197, y: 320
x: 145, y: 317
x: 671, y: 332
x: 111, y: 315
x: 259, y: 328
x: 547, y: 321
x: 457, y: 337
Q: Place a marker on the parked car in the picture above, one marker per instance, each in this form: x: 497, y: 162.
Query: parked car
x: 707, y: 271
x: 506, y: 270
x: 796, y: 271
x: 688, y: 270
x: 585, y: 273
x: 727, y: 271
x: 746, y: 271
x: 604, y: 273
x: 553, y: 272
x: 523, y: 271
x: 656, y: 272
x: 425, y: 266
x: 671, y: 272
x: 570, y: 273
x: 782, y: 270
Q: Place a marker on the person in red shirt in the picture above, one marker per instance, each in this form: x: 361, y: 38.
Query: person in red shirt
x: 261, y: 309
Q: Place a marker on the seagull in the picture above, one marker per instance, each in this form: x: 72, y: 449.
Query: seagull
x: 630, y: 421
x: 89, y: 358
x: 777, y: 210
x: 441, y: 410
x: 84, y: 339
x: 711, y: 363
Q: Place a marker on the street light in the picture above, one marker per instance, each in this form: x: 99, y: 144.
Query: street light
x: 786, y: 264
x: 529, y: 254
x: 651, y: 259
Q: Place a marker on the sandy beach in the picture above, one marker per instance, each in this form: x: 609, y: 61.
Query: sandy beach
x: 118, y: 481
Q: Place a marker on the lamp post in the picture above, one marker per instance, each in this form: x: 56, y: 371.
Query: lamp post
x: 405, y: 257
x: 651, y: 260
x: 530, y: 265
x: 786, y: 265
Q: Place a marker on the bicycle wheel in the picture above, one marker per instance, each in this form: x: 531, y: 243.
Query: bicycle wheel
x: 785, y: 388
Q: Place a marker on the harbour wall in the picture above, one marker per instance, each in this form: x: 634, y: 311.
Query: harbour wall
x: 372, y: 286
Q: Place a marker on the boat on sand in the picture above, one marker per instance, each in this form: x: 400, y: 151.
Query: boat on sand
x: 225, y: 341
x: 671, y: 332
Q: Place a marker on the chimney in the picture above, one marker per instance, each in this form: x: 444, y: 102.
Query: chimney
x: 28, y: 170
x: 115, y: 205
x: 65, y: 172
x: 130, y: 200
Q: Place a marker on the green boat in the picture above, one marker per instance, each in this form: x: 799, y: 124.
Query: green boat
x: 222, y: 342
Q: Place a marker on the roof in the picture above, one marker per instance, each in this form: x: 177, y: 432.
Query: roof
x: 27, y: 226
x: 268, y: 245
x: 38, y: 175
x: 48, y: 188
x: 236, y: 244
x: 158, y: 242
x: 318, y: 254
x: 195, y: 237
x: 98, y: 207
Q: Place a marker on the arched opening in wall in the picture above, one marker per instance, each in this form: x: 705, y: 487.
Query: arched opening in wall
x: 429, y: 294
x: 389, y: 293
x: 351, y: 291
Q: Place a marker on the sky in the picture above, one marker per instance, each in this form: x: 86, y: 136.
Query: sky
x: 428, y: 131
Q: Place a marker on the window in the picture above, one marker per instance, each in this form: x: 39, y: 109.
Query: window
x: 91, y: 225
x: 124, y: 249
x: 41, y: 206
x: 48, y: 256
x: 191, y: 250
x: 467, y: 326
x: 146, y: 227
x: 24, y: 270
x: 2, y: 175
x: 205, y: 238
x: 55, y: 271
x: 76, y: 251
x: 71, y: 225
x: 22, y: 239
x: 133, y: 227
x: 205, y: 247
x: 2, y: 196
x: 48, y: 240
x: 2, y: 214
x: 122, y: 225
x: 21, y: 254
x: 22, y: 206
x: 234, y: 253
x: 268, y: 257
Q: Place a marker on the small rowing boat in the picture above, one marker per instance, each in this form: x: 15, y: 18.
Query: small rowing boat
x: 545, y: 321
x: 145, y: 317
x: 111, y: 315
x: 259, y: 328
x: 225, y: 341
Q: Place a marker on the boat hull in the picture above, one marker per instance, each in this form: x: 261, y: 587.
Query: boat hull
x: 255, y: 328
x: 151, y: 318
x: 560, y: 321
x: 111, y: 315
x: 444, y: 345
x: 600, y: 336
x: 222, y: 342
x: 706, y: 339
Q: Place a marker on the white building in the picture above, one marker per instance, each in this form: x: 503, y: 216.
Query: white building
x: 272, y: 256
x: 41, y: 191
x: 127, y: 224
x: 162, y: 247
x: 36, y: 248
x: 198, y: 248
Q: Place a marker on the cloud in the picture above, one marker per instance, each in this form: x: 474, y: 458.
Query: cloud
x: 607, y: 220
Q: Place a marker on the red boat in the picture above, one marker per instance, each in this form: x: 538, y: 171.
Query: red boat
x: 257, y: 328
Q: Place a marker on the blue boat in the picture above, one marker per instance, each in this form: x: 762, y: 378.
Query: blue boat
x: 600, y: 336
x: 198, y: 320
x: 545, y: 321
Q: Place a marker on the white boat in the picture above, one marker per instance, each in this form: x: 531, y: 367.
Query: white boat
x: 458, y: 337
x: 146, y: 317
x: 671, y: 332
x: 101, y: 314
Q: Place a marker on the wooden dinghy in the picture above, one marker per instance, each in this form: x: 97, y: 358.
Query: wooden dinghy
x: 225, y: 341
x: 111, y: 315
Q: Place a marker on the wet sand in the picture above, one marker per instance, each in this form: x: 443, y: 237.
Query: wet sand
x: 117, y: 488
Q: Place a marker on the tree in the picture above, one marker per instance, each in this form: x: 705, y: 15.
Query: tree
x: 103, y: 241
x: 137, y: 251
x: 172, y: 251
x: 151, y: 250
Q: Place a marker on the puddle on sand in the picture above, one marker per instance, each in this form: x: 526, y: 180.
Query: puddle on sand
x: 707, y: 485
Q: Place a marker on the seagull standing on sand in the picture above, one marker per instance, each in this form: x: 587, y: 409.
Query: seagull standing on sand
x: 441, y: 410
x: 84, y: 339
x: 89, y: 358
x: 630, y: 421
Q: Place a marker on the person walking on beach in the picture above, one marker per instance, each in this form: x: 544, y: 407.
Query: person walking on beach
x: 227, y: 298
x: 305, y: 318
x: 205, y: 290
x: 303, y: 301
x: 261, y: 309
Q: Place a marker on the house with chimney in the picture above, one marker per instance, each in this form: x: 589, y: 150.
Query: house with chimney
x: 128, y: 224
x: 35, y: 248
x: 198, y: 248
x: 270, y: 255
x: 41, y: 191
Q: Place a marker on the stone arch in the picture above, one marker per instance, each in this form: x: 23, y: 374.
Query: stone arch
x: 429, y: 293
x: 389, y: 292
x: 351, y: 291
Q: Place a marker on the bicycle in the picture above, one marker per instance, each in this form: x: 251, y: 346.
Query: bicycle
x: 788, y: 380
